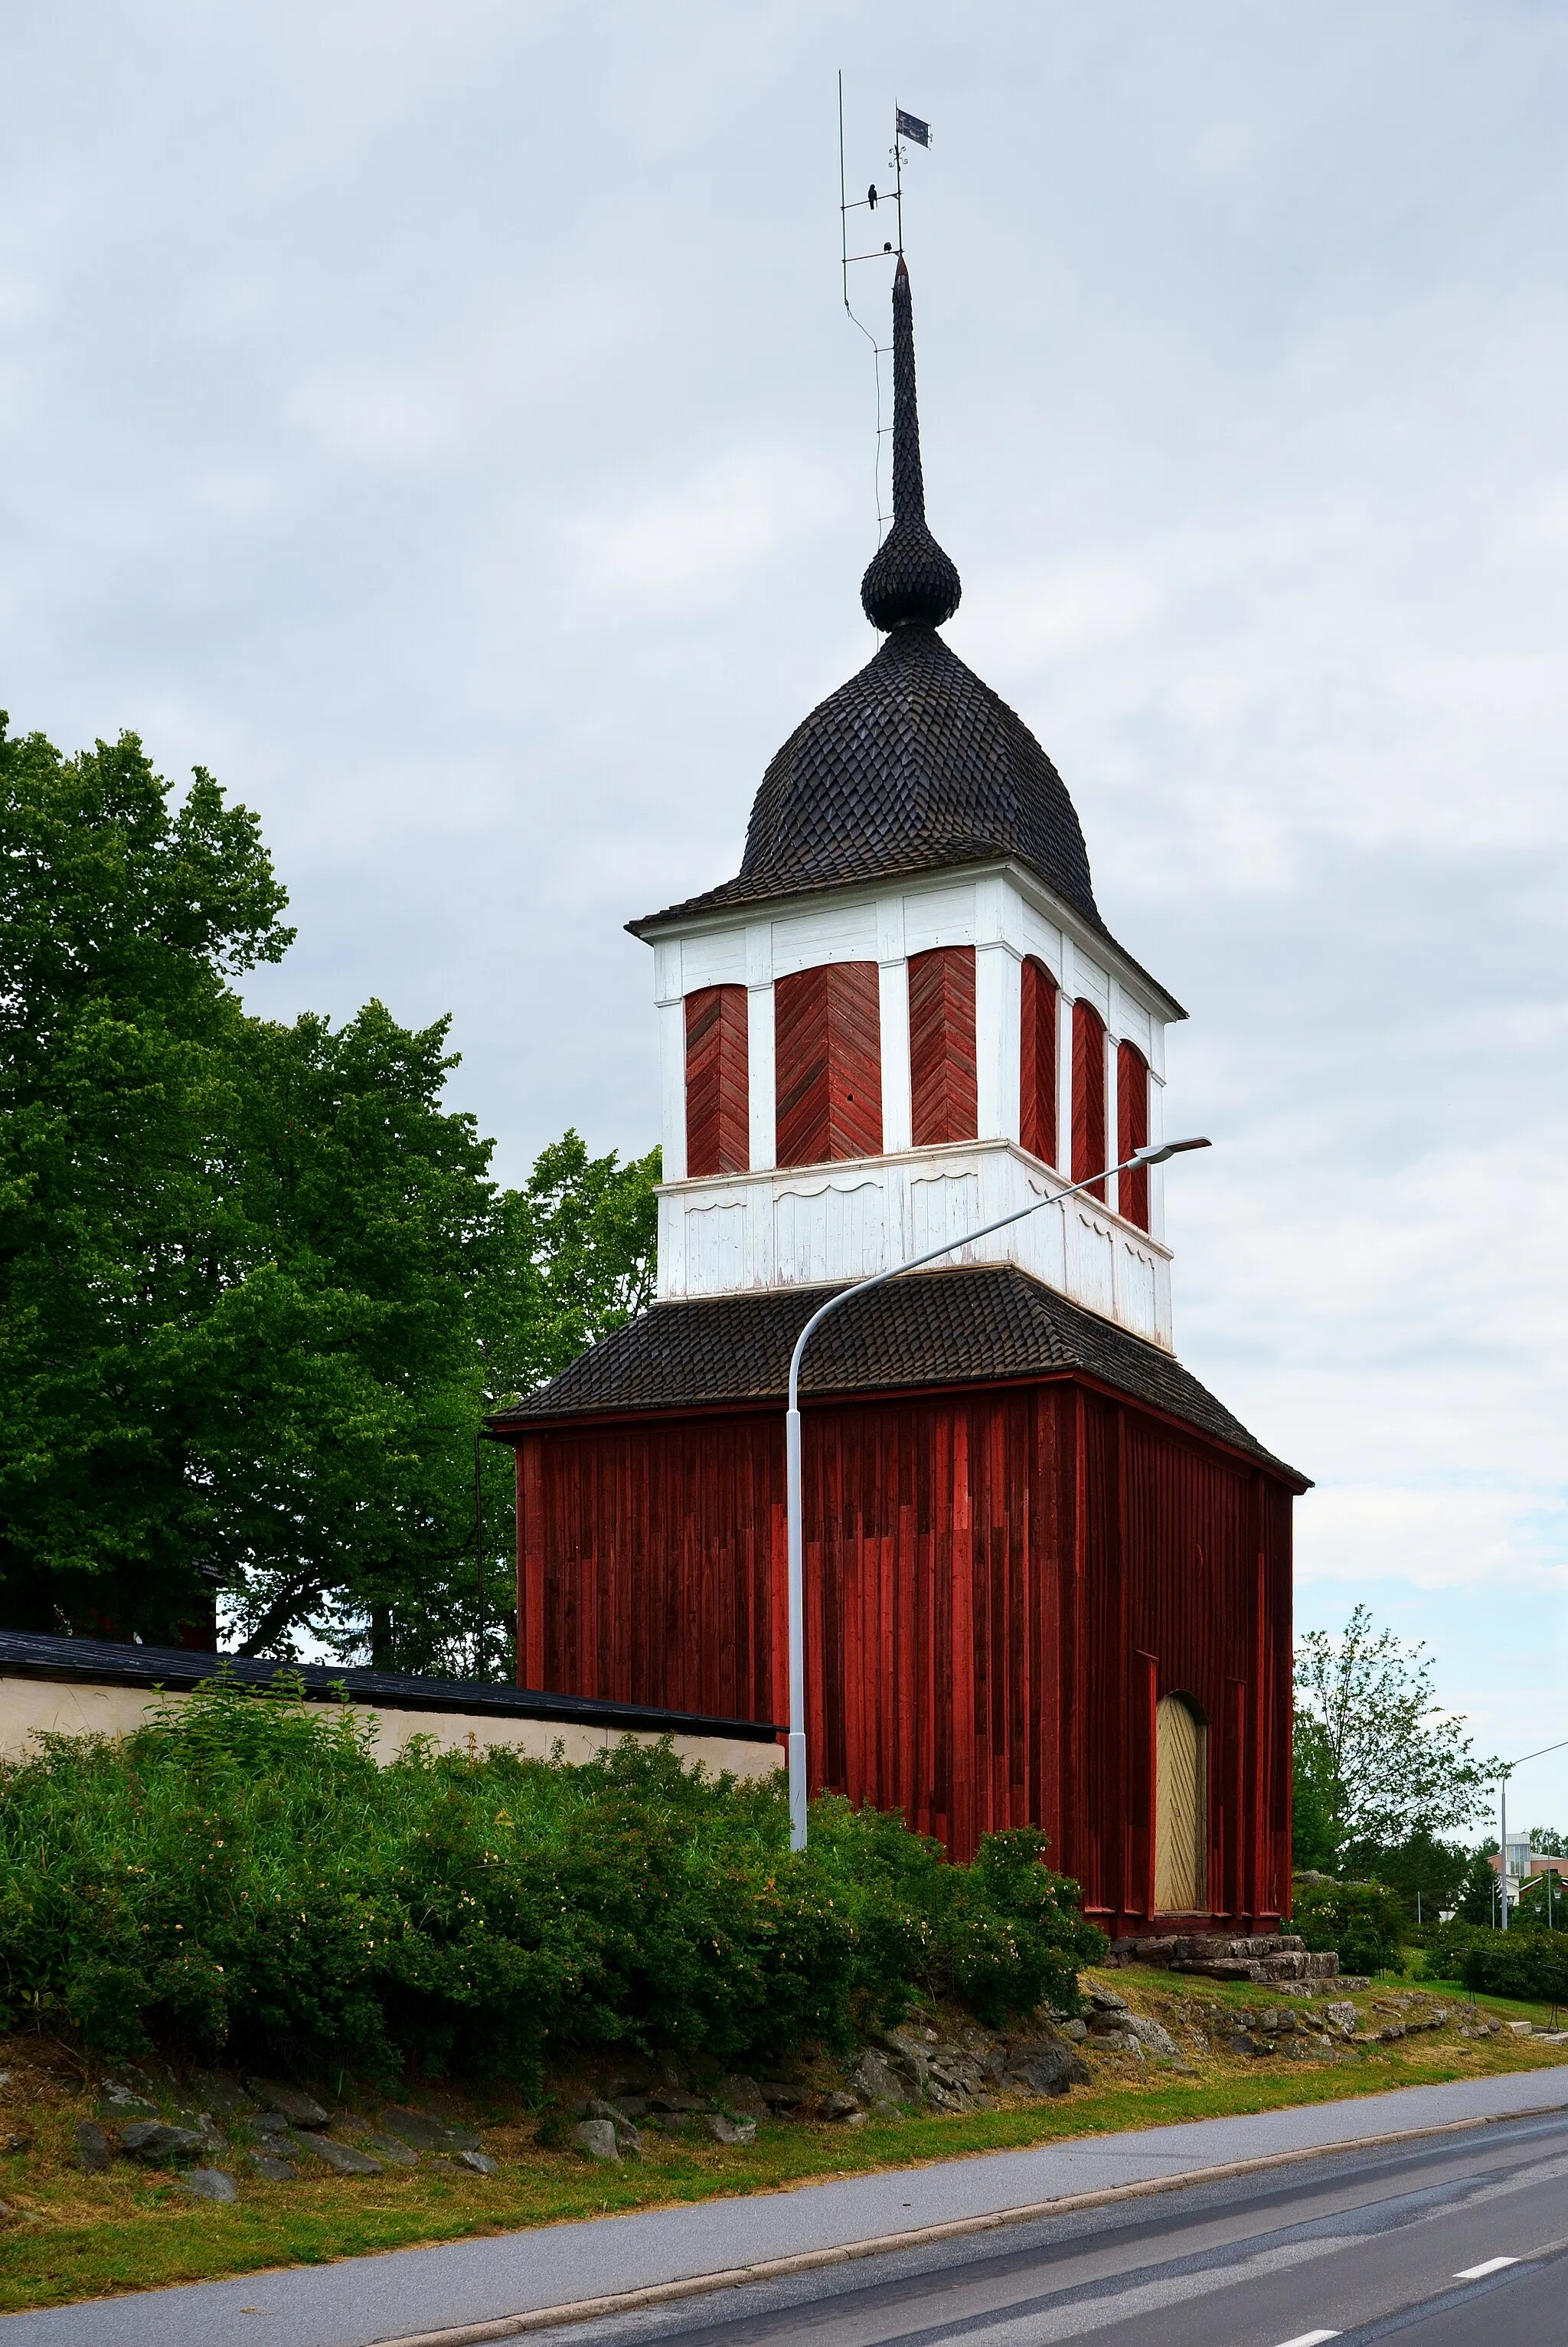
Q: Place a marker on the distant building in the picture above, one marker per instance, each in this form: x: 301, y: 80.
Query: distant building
x: 1049, y: 1573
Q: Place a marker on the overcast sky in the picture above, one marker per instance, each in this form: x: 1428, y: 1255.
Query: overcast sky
x: 441, y: 421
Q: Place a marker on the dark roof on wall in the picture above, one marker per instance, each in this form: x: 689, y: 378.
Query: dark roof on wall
x: 107, y: 1662
x: 976, y: 1324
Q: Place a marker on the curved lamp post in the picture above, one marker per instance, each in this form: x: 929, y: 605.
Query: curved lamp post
x: 1501, y: 1822
x: 792, y: 1449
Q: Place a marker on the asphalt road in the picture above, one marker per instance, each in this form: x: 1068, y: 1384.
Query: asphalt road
x: 1457, y: 2243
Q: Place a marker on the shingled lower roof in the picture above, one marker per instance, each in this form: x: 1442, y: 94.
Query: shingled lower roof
x: 970, y: 1326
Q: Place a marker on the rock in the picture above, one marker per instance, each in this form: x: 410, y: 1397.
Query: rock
x: 626, y: 2134
x: 156, y: 2144
x: 1116, y: 2041
x: 910, y: 2059
x: 1342, y: 2017
x: 668, y: 2069
x: 389, y: 2148
x: 267, y: 2123
x: 341, y: 2157
x: 885, y: 2110
x: 743, y: 2095
x: 676, y: 2098
x: 631, y: 2106
x: 95, y: 2152
x: 633, y: 2081
x: 483, y: 2165
x: 225, y: 2097
x: 1075, y: 2030
x: 725, y: 2130
x: 875, y: 2079
x: 300, y: 2109
x: 15, y: 2139
x: 780, y: 2095
x: 1105, y: 2000
x: 1152, y: 2036
x: 213, y: 2138
x: 276, y: 2171
x: 209, y: 2184
x: 1043, y: 2066
x: 1240, y: 2043
x: 674, y: 2123
x: 596, y: 2138
x: 1396, y: 2029
x: 424, y: 2133
x: 118, y: 2101
x: 839, y: 2105
x: 1354, y: 1980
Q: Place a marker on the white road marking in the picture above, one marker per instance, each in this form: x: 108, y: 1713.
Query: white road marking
x: 1309, y: 2339
x: 1492, y: 2265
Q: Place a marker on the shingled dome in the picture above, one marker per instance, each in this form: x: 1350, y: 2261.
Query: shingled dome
x: 913, y: 765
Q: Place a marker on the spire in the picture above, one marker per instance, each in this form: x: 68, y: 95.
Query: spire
x: 909, y: 581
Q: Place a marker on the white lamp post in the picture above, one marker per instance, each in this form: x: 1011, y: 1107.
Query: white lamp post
x: 792, y: 1450
x: 1502, y: 1818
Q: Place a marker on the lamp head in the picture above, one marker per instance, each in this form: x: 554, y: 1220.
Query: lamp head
x: 1171, y: 1149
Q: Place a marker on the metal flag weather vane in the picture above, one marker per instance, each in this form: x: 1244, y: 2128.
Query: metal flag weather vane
x: 917, y: 133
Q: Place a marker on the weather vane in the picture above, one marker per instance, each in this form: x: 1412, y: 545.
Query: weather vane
x: 908, y: 130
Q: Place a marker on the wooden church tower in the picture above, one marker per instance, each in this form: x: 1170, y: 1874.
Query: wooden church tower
x: 1049, y: 1575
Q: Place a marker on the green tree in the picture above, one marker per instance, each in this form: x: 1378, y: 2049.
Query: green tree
x: 1547, y: 1843
x: 1427, y: 1873
x: 257, y: 1289
x: 121, y: 919
x: 1383, y: 1758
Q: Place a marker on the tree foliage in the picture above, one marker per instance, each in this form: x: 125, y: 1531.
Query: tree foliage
x: 1379, y: 1759
x: 257, y: 1286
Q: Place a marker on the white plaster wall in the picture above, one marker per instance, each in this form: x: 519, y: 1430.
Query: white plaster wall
x: 31, y: 1707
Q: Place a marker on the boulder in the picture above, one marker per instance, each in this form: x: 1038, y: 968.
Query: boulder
x: 742, y: 2095
x: 224, y: 2096
x: 209, y: 2184
x: 1043, y: 2066
x: 1343, y: 2017
x: 275, y: 2171
x: 874, y: 2078
x: 118, y: 2101
x: 391, y: 2148
x: 676, y: 2098
x: 481, y: 2162
x: 159, y: 2145
x: 839, y: 2105
x: 341, y: 2157
x: 780, y: 2095
x: 95, y: 2152
x: 728, y: 2130
x: 596, y: 2138
x: 1151, y: 2036
x: 300, y: 2109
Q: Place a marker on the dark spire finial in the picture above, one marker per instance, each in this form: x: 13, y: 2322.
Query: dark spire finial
x: 909, y: 581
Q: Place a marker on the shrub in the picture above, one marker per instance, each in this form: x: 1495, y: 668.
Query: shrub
x: 1529, y: 1965
x: 1363, y: 1923
x: 240, y: 1872
x: 1444, y: 1947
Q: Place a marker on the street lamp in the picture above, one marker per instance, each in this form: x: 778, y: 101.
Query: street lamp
x: 792, y: 1449
x: 1502, y: 1818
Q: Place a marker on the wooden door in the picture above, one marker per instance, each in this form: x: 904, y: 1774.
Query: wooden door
x: 1181, y: 1808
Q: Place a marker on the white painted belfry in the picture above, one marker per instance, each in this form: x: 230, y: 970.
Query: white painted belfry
x: 775, y: 1225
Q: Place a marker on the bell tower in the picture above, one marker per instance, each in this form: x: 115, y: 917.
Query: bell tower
x: 905, y: 1016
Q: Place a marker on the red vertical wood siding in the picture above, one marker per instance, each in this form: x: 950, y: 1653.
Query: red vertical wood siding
x: 1088, y: 1095
x: 1133, y: 1132
x: 943, y: 1078
x: 718, y: 1119
x: 828, y: 1063
x: 1037, y: 1068
x: 1001, y: 1585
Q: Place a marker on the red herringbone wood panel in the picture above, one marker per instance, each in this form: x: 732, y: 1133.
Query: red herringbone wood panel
x: 828, y: 1063
x: 942, y: 1079
x: 1132, y: 1131
x: 718, y: 1129
x: 1000, y: 1584
x: 1037, y: 1069
x: 1088, y: 1095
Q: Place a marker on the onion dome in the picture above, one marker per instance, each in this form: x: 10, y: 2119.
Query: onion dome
x: 914, y: 764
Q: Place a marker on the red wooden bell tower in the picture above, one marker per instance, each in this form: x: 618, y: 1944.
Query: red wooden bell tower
x: 1048, y: 1573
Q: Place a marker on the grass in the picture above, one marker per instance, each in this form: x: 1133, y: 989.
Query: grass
x: 71, y: 2237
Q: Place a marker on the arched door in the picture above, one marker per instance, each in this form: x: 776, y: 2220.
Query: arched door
x: 1181, y: 1807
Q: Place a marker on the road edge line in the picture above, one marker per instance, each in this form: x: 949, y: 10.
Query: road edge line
x: 663, y: 2293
